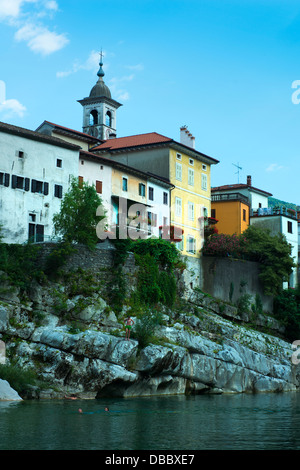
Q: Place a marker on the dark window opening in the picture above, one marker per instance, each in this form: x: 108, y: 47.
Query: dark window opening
x: 36, y: 232
x: 58, y: 190
x: 142, y: 189
x: 59, y: 163
x: 290, y: 227
x: 93, y: 117
x: 108, y: 119
x: 151, y: 194
x: 39, y: 187
x: 4, y: 179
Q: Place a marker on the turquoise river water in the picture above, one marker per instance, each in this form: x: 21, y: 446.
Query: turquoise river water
x: 203, y: 422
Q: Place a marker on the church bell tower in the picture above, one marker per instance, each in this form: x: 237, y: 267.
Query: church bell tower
x: 99, y: 110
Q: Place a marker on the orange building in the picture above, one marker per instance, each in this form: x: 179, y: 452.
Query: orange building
x: 232, y: 210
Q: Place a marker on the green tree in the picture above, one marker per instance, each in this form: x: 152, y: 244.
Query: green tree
x: 273, y: 252
x: 77, y: 219
x: 287, y: 310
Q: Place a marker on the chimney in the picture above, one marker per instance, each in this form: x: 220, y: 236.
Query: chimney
x: 249, y: 182
x: 186, y: 138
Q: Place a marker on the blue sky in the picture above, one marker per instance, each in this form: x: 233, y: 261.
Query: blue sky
x: 223, y: 68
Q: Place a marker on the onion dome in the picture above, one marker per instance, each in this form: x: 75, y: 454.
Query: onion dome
x: 100, y: 89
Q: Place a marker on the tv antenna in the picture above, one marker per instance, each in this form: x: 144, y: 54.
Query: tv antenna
x: 238, y: 170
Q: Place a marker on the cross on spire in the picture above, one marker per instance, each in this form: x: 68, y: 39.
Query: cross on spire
x: 100, y: 72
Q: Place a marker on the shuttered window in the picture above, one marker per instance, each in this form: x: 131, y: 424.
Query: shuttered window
x: 99, y: 187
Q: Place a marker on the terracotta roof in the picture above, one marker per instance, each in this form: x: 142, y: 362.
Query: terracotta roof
x: 147, y: 140
x: 133, y: 141
x: 229, y: 187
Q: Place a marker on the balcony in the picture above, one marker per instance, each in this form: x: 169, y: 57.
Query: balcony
x: 229, y: 197
x: 271, y: 211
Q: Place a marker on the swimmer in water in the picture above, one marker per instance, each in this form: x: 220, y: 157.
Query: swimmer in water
x: 106, y: 408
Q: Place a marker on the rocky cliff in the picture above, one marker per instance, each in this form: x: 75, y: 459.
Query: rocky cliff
x: 201, y: 346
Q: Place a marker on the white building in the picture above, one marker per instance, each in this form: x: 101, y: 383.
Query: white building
x: 114, y: 181
x: 280, y: 221
x: 35, y: 171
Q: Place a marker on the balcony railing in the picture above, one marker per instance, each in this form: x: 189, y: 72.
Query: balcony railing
x: 230, y: 197
x: 265, y: 211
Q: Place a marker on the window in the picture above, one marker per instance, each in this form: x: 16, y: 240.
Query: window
x: 290, y: 227
x: 203, y: 167
x: 39, y: 187
x: 19, y: 182
x: 80, y: 180
x: 178, y: 207
x: 35, y: 232
x: 191, y: 177
x: 191, y: 248
x: 93, y: 117
x: 244, y: 215
x: 178, y: 171
x: 178, y: 156
x: 213, y: 213
x: 99, y: 187
x: 82, y: 162
x: 180, y: 245
x: 20, y: 154
x: 203, y: 182
x: 124, y: 184
x: 59, y: 163
x: 142, y: 190
x: 108, y: 119
x: 191, y: 161
x: 165, y: 198
x: 151, y: 194
x: 152, y: 219
x: 58, y: 190
x: 190, y: 210
x: 4, y: 179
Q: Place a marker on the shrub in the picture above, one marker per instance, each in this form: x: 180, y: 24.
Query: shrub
x: 162, y: 251
x: 145, y: 327
x: 19, y: 379
x: 19, y: 262
x: 287, y: 310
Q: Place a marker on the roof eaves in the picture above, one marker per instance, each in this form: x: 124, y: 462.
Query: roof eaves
x: 123, y: 166
x: 34, y: 135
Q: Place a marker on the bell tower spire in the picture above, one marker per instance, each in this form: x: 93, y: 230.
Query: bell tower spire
x: 100, y: 72
x: 99, y: 109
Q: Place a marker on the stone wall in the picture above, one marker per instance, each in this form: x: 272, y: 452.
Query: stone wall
x: 220, y: 276
x: 215, y: 276
x: 94, y: 261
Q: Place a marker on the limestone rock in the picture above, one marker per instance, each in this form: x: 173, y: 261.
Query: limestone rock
x: 7, y: 392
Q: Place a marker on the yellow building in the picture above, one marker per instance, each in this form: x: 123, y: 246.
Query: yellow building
x: 184, y: 167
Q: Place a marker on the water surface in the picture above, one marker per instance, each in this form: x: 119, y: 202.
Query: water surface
x: 203, y: 422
